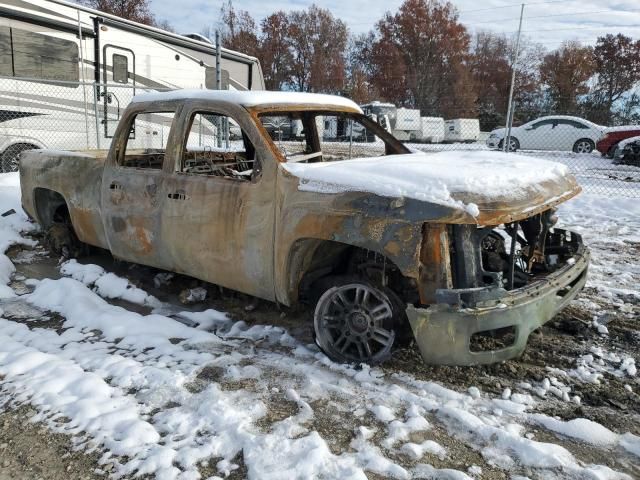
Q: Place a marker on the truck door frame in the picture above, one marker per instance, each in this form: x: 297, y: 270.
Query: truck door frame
x: 202, y: 212
x: 131, y: 198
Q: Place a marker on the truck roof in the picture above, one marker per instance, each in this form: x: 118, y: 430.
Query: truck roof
x: 254, y: 98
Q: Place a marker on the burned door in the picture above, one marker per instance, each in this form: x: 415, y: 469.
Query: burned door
x: 218, y: 213
x: 132, y: 188
x: 119, y: 85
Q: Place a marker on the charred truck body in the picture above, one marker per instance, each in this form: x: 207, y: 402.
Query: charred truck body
x: 458, y: 250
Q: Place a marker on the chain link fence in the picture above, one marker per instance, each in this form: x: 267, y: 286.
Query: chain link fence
x: 79, y: 116
x: 58, y: 115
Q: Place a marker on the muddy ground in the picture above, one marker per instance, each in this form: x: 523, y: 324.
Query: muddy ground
x: 29, y: 451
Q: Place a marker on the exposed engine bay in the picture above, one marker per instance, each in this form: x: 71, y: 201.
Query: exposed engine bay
x: 509, y: 256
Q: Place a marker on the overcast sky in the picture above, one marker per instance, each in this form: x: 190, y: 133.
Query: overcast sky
x: 547, y: 22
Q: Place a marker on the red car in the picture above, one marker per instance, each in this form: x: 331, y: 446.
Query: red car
x: 612, y: 135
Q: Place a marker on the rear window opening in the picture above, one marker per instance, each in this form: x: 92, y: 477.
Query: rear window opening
x: 495, y: 339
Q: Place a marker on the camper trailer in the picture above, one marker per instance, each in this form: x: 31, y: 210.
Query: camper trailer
x: 67, y: 72
x: 465, y: 130
x: 432, y: 129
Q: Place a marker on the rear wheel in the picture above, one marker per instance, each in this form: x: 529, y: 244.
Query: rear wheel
x: 61, y: 238
x: 584, y: 145
x: 356, y: 321
x: 10, y: 159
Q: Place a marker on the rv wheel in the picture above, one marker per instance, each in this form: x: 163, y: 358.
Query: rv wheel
x: 10, y: 158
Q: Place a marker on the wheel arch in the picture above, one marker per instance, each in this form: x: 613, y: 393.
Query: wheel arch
x: 50, y: 207
x: 311, y: 259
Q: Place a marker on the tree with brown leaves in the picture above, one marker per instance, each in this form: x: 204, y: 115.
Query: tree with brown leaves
x: 617, y: 70
x: 434, y: 47
x: 565, y: 72
x: 240, y: 30
x: 135, y: 10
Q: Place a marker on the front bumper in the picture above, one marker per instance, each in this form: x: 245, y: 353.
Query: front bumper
x: 444, y: 332
x: 493, y: 142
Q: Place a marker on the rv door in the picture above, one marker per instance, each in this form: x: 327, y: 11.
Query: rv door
x: 119, y: 85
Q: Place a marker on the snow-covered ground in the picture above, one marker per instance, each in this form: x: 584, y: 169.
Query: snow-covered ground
x: 178, y: 394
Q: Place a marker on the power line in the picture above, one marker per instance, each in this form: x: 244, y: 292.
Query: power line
x: 545, y: 16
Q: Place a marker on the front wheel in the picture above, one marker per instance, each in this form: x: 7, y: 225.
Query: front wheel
x: 584, y: 145
x: 356, y: 321
x: 514, y: 144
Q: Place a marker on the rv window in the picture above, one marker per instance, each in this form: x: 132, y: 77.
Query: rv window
x: 215, y: 145
x: 6, y: 62
x: 44, y: 57
x: 120, y: 68
x: 147, y: 142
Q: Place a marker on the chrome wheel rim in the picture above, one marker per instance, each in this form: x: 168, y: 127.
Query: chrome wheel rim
x: 583, y: 147
x: 352, y: 324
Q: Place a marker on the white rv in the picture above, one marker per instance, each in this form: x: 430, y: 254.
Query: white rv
x: 67, y: 71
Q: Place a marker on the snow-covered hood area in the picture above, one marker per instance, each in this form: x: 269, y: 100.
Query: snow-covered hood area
x: 471, y: 181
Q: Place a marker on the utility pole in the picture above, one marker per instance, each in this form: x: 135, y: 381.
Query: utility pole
x: 218, y: 85
x: 507, y: 138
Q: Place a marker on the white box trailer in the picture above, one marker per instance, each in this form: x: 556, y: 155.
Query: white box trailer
x: 462, y: 130
x: 432, y: 129
x: 407, y: 124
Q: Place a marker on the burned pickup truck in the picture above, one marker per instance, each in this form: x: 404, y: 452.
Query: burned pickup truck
x: 458, y: 250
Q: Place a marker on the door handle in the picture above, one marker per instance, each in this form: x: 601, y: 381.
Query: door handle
x: 177, y: 196
x: 115, y: 186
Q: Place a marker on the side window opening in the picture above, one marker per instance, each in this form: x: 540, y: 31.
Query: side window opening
x: 147, y: 142
x: 216, y: 145
x: 120, y: 68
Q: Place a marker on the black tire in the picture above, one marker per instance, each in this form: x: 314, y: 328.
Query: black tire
x: 10, y: 158
x: 357, y: 321
x: 611, y: 152
x: 62, y: 240
x: 584, y: 145
x: 514, y: 144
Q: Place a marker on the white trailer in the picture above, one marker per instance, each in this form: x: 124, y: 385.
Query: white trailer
x: 432, y: 129
x: 407, y: 125
x: 465, y: 130
x: 66, y: 69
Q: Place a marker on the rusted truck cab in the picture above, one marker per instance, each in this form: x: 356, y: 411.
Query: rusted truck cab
x: 302, y: 198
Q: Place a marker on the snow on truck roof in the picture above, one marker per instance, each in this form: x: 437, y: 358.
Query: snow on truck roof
x: 252, y: 98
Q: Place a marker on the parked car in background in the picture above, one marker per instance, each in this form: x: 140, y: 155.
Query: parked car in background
x: 613, y: 135
x: 558, y: 132
x: 627, y: 152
